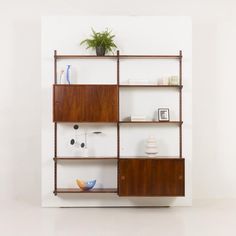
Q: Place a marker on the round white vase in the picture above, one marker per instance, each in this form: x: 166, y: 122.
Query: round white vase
x: 151, y: 147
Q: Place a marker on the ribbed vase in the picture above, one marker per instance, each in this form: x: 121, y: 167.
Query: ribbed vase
x: 151, y: 147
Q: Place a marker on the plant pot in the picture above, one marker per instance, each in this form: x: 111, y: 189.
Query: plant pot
x: 100, y: 51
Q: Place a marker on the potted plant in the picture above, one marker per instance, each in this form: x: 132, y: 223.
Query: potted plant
x: 102, y: 42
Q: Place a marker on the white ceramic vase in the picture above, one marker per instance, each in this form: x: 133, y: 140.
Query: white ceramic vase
x: 151, y: 147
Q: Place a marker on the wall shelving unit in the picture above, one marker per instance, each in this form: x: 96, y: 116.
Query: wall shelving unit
x: 137, y: 176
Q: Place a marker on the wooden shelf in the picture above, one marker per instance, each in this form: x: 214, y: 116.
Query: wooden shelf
x: 68, y: 56
x: 111, y: 158
x: 83, y: 158
x: 124, y: 85
x: 149, y: 86
x: 77, y: 190
x: 84, y: 57
x: 80, y: 85
x: 153, y: 122
x: 150, y: 56
x: 150, y: 158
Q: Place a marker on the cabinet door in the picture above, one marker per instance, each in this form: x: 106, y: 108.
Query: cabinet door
x: 85, y: 103
x: 101, y: 103
x: 69, y: 103
x: 151, y: 177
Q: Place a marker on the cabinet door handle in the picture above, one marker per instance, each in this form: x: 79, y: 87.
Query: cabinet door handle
x: 122, y: 177
x: 180, y: 177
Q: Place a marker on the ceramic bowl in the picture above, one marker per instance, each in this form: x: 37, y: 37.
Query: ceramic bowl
x: 85, y: 185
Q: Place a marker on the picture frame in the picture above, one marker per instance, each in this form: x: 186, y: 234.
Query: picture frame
x: 163, y: 114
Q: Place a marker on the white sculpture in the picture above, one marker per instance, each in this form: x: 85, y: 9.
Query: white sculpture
x: 151, y: 147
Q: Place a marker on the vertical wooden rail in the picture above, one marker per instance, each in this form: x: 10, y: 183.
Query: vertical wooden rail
x: 55, y: 129
x: 118, y: 118
x: 180, y: 103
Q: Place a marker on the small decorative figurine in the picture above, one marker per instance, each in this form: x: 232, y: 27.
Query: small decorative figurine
x: 83, y: 145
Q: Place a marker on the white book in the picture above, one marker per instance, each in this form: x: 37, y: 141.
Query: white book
x: 138, y: 118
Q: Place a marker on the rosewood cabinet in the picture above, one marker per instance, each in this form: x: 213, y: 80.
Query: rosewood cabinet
x: 151, y: 177
x: 85, y: 103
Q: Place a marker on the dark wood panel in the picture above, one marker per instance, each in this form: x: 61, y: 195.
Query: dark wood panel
x: 151, y: 177
x: 69, y: 103
x: 85, y: 103
x: 101, y: 103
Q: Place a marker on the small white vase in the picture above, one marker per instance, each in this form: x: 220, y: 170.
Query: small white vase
x: 151, y: 147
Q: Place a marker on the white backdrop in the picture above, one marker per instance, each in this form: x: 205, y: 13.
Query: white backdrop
x: 214, y: 49
x: 134, y: 35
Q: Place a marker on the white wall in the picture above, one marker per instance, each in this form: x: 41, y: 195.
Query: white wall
x: 214, y: 38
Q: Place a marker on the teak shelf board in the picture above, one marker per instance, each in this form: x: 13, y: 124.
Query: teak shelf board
x: 150, y: 158
x: 80, y: 85
x: 150, y: 56
x: 77, y: 190
x: 83, y: 158
x: 123, y: 85
x: 152, y: 122
x: 111, y: 158
x: 68, y: 56
x: 149, y: 86
x: 85, y: 57
x: 87, y: 122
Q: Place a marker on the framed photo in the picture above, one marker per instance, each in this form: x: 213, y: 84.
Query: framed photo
x: 163, y: 114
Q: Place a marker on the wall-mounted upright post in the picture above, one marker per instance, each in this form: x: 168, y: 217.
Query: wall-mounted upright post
x: 118, y: 117
x: 55, y: 129
x: 180, y: 103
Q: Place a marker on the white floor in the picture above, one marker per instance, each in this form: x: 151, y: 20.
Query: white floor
x: 204, y: 218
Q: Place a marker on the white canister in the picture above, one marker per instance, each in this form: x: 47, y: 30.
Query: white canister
x: 174, y: 80
x: 163, y: 80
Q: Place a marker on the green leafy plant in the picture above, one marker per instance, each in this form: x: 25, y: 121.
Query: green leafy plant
x: 102, y: 42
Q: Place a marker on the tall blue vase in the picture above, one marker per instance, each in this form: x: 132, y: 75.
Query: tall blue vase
x: 68, y: 69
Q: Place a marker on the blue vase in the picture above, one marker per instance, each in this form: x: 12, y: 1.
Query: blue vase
x: 68, y: 73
